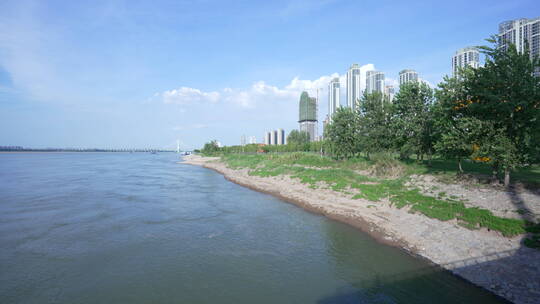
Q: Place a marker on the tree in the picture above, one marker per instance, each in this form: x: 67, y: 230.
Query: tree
x: 210, y: 147
x: 412, y: 120
x: 375, y: 134
x: 457, y: 134
x: 296, y: 137
x: 505, y: 94
x: 342, y: 134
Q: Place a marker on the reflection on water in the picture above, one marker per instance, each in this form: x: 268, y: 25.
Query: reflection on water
x: 140, y: 228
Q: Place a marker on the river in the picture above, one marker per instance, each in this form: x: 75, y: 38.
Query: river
x: 142, y: 228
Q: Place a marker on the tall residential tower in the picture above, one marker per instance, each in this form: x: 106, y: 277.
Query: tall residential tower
x: 374, y: 82
x: 353, y: 86
x: 389, y: 92
x: 520, y: 32
x: 333, y: 96
x: 308, y: 115
x: 407, y: 75
x: 468, y: 56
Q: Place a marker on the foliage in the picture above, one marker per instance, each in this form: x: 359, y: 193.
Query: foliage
x: 342, y: 134
x: 457, y: 133
x: 210, y: 148
x: 296, y: 137
x: 490, y: 115
x: 373, y: 124
x: 412, y: 122
x: 505, y: 94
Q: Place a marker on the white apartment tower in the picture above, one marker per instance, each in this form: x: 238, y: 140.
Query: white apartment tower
x: 468, y: 56
x: 520, y: 32
x: 374, y: 82
x: 333, y: 96
x: 267, y: 138
x: 280, y: 137
x: 407, y: 75
x: 389, y: 92
x: 353, y: 86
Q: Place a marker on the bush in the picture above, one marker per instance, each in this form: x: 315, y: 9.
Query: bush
x: 385, y: 165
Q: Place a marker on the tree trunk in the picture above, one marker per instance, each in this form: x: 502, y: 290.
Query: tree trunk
x: 494, y: 171
x: 459, y: 165
x: 506, y: 177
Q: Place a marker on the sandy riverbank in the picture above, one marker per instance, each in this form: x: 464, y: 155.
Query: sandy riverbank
x: 486, y: 258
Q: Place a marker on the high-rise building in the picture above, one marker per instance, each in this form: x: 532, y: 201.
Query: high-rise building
x: 464, y: 57
x: 308, y: 115
x: 326, y: 122
x: 520, y: 32
x: 267, y: 138
x: 243, y: 140
x: 333, y: 96
x: 407, y: 75
x: 389, y: 92
x: 280, y: 137
x: 252, y: 140
x: 374, y: 82
x: 273, y: 137
x: 353, y: 86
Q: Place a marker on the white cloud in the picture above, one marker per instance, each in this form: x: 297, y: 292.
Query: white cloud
x: 258, y: 93
x: 185, y: 95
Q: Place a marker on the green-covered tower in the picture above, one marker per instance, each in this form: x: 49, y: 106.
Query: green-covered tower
x: 308, y: 115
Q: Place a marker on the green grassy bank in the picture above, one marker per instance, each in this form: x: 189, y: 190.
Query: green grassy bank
x: 384, y: 177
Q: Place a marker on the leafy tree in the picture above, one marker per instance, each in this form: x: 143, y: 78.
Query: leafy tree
x: 296, y: 137
x: 342, y: 134
x: 375, y: 134
x: 505, y: 94
x: 412, y: 120
x: 210, y: 147
x: 456, y: 132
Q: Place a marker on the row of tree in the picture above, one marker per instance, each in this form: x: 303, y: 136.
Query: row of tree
x: 490, y: 114
x: 297, y: 141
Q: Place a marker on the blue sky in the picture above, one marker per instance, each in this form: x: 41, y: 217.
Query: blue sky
x: 147, y: 73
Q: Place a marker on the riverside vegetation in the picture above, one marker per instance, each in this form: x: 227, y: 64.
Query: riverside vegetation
x: 485, y: 120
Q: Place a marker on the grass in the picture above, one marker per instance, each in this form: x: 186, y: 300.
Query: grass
x: 447, y: 170
x: 382, y: 184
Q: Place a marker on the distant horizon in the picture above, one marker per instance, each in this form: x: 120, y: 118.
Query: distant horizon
x: 116, y: 74
x: 76, y: 149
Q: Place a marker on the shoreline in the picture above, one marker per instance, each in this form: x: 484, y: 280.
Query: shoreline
x: 490, y: 261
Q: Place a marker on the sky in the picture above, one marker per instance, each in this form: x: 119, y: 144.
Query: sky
x: 137, y: 74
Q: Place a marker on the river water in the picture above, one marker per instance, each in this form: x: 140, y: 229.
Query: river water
x: 142, y: 228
